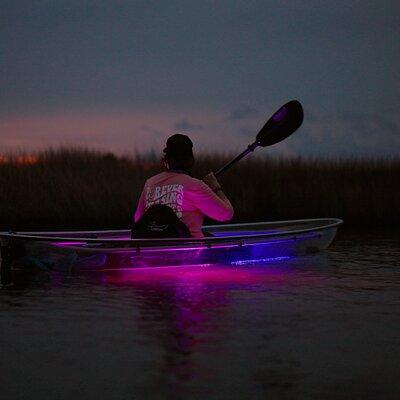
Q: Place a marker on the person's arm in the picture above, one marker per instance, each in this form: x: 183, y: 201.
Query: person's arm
x: 141, y: 207
x: 209, y: 198
x: 215, y: 186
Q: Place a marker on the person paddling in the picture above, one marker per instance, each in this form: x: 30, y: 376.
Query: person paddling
x: 189, y: 198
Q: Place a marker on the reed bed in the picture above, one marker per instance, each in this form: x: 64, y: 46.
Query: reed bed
x: 84, y: 189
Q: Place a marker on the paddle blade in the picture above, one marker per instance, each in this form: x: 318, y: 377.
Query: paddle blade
x: 281, y: 125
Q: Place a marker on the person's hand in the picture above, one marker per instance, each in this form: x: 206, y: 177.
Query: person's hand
x: 211, y: 181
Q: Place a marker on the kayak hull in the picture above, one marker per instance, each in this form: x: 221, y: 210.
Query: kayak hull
x: 235, y: 244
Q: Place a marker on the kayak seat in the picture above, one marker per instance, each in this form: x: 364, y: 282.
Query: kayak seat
x: 159, y: 221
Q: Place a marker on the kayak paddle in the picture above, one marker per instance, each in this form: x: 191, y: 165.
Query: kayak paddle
x: 280, y: 126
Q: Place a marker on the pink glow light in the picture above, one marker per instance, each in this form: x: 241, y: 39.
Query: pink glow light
x: 208, y: 274
x: 62, y: 244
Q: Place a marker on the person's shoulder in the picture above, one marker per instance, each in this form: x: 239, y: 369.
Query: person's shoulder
x: 196, y: 184
x: 156, y: 178
x: 196, y: 181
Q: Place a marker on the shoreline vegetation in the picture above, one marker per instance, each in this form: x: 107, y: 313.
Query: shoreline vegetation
x: 84, y: 189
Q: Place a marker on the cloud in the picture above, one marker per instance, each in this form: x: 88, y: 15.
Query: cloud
x: 347, y: 134
x: 371, y: 125
x: 248, y: 132
x: 185, y: 125
x: 324, y: 135
x: 243, y: 113
x: 153, y: 131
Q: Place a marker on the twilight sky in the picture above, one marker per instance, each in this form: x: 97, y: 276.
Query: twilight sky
x: 124, y: 75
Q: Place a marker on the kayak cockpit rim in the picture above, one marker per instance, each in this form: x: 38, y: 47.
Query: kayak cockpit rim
x: 52, y: 236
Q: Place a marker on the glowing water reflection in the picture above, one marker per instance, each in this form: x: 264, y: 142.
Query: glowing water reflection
x: 272, y: 330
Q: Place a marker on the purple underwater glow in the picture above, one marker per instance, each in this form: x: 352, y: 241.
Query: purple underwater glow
x: 255, y: 247
x: 260, y: 260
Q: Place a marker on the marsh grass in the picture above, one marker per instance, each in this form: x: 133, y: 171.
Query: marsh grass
x: 84, y: 189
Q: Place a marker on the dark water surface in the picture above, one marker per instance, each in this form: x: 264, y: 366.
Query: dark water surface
x: 324, y: 326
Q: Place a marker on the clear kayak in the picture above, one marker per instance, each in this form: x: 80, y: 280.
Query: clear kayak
x: 234, y: 244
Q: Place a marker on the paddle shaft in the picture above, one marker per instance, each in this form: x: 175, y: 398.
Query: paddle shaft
x: 249, y: 149
x: 280, y: 126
